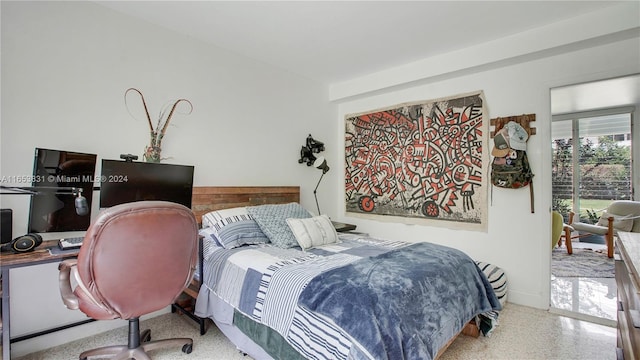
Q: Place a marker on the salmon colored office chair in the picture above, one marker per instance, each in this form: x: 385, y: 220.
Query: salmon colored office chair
x: 135, y: 259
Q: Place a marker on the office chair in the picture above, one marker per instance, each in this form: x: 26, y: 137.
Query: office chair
x: 136, y: 258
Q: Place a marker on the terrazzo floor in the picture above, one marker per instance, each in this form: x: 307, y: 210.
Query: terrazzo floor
x: 592, y: 299
x: 524, y: 333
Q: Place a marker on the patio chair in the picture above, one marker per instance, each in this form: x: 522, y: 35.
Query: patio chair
x: 621, y: 215
x: 559, y: 231
x: 556, y: 228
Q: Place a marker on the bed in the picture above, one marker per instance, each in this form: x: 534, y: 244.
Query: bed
x: 280, y: 283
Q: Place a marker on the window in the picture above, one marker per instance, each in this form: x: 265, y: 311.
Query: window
x: 591, y: 167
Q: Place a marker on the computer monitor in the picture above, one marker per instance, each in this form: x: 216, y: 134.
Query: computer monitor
x: 53, y: 210
x: 127, y: 181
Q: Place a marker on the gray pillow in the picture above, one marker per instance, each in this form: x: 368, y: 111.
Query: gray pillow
x: 272, y: 220
x: 209, y: 242
x: 241, y: 233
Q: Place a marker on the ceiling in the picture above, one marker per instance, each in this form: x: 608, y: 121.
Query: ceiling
x: 335, y: 41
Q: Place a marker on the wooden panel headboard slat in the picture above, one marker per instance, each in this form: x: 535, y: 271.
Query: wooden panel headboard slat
x: 209, y: 198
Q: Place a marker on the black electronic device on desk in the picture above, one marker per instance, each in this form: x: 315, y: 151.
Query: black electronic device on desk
x: 129, y: 181
x: 6, y: 225
x: 342, y: 227
x: 70, y: 243
x: 57, y: 174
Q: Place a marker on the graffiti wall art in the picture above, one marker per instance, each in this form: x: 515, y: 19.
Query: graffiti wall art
x: 419, y: 162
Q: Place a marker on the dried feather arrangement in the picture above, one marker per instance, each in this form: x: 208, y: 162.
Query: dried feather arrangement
x: 152, y: 152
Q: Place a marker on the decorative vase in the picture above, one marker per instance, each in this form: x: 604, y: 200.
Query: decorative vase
x: 153, y: 151
x: 152, y: 154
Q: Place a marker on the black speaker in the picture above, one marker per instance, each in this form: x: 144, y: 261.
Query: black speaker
x: 23, y: 243
x: 6, y: 225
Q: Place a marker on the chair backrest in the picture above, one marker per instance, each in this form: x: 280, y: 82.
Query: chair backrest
x: 137, y: 258
x: 624, y: 208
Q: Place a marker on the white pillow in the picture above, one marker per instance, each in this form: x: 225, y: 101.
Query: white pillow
x: 314, y: 231
x: 619, y: 221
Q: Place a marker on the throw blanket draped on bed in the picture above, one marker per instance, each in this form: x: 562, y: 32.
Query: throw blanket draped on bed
x: 361, y: 298
x: 408, y: 302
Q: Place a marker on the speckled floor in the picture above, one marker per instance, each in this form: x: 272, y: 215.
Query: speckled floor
x: 523, y: 333
x: 592, y: 299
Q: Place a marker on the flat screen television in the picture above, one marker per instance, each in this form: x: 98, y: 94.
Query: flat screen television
x: 54, y: 210
x: 124, y: 181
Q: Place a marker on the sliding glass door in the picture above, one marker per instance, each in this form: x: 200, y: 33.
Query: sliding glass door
x: 592, y: 161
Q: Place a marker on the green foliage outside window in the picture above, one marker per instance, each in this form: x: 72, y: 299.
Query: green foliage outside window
x: 605, y: 174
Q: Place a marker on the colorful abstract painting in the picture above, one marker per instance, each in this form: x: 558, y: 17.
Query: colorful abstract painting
x: 421, y: 161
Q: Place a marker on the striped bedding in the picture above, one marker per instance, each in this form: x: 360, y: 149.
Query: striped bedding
x: 264, y: 283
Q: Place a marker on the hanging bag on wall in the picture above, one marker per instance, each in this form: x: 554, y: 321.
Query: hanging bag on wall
x: 510, y: 166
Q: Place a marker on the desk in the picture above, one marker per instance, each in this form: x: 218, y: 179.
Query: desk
x: 9, y: 261
x: 628, y: 284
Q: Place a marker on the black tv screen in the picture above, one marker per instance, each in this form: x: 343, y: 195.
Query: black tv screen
x: 123, y: 182
x: 54, y: 173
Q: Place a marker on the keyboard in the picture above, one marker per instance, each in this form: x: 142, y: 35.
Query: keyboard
x: 70, y: 243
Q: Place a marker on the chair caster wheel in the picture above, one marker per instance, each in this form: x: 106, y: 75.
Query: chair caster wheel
x: 187, y: 348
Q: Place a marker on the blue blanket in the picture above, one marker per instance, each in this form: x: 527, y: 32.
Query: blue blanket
x: 430, y: 302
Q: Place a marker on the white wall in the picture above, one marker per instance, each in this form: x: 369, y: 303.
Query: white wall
x: 65, y: 68
x: 70, y: 63
x: 516, y: 240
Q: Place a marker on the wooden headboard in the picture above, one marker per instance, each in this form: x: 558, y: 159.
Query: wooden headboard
x: 209, y: 198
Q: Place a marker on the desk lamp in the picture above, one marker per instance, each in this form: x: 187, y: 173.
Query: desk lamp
x: 320, y: 163
x: 306, y: 156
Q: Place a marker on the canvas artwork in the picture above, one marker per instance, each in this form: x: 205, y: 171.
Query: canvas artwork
x: 419, y: 162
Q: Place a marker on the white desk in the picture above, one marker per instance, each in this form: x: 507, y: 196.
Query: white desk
x: 8, y: 261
